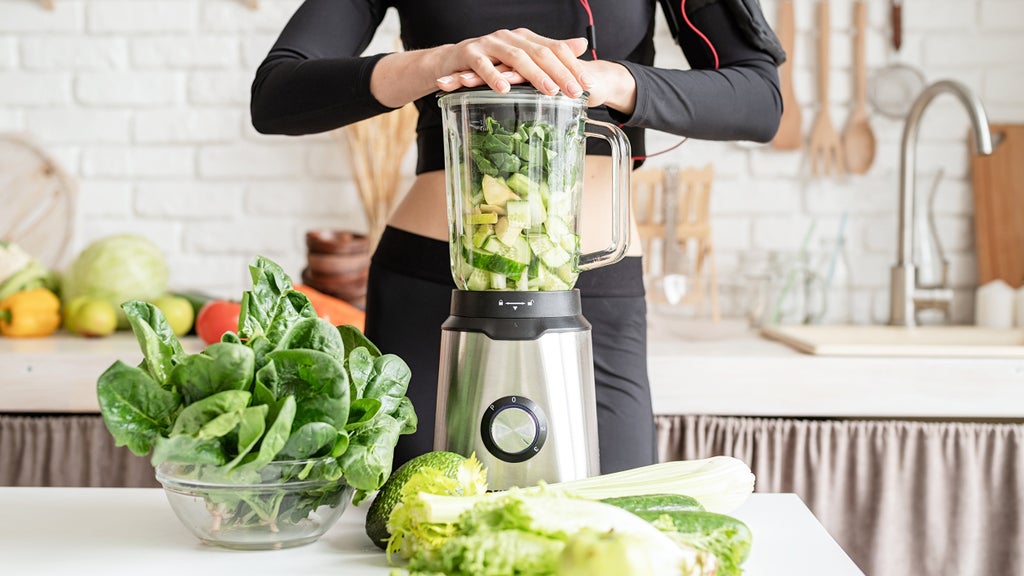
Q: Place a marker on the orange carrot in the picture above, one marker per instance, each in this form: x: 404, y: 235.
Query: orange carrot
x: 334, y: 310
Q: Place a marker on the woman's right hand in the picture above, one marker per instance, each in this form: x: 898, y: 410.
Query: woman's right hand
x: 507, y: 57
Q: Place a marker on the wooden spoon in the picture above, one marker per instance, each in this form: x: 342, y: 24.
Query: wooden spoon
x: 858, y: 138
x: 789, y: 136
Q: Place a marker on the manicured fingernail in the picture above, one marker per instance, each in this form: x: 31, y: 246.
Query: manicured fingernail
x: 574, y: 89
x: 446, y: 79
x: 501, y: 86
x: 587, y: 80
x: 549, y: 86
x: 467, y: 76
x: 509, y: 74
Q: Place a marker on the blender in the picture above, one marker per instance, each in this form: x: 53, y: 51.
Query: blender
x: 516, y: 377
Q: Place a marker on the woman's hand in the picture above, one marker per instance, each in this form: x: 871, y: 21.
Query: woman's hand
x: 508, y: 57
x: 499, y: 60
x: 550, y: 66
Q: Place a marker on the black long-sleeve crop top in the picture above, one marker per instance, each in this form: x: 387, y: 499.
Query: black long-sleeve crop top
x: 314, y: 78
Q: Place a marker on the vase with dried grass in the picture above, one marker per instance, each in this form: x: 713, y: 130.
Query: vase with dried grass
x: 338, y: 260
x: 376, y: 147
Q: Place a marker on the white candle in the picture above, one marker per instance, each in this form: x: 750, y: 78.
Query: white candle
x: 993, y: 305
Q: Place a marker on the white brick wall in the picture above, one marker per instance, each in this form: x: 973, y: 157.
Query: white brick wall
x: 146, y: 103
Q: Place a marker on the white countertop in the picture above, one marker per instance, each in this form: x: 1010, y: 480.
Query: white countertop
x: 695, y: 368
x: 115, y: 531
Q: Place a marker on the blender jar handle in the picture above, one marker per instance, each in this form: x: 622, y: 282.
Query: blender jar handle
x: 621, y: 194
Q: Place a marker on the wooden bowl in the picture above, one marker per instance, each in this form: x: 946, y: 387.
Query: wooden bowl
x: 324, y: 241
x: 348, y: 288
x: 343, y: 265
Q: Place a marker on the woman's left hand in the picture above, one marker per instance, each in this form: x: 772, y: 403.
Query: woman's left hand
x: 612, y: 84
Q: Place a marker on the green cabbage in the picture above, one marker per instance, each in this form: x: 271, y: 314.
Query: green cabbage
x: 117, y: 269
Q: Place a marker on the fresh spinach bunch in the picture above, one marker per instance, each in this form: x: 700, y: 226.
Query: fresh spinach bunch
x: 288, y: 386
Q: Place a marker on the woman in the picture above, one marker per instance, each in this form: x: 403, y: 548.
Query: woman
x: 314, y: 80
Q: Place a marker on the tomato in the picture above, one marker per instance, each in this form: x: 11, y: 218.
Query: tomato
x: 215, y: 318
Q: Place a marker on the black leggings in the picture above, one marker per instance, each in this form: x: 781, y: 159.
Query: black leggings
x: 409, y: 297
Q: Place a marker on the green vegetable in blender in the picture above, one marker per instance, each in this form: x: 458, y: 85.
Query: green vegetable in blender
x: 289, y: 386
x: 518, y: 213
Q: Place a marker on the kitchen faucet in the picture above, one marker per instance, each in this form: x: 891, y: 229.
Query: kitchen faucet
x: 906, y: 297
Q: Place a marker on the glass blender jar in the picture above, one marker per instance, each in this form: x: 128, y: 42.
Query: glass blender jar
x: 516, y: 381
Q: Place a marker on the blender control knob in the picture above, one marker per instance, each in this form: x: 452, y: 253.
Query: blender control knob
x: 513, y: 428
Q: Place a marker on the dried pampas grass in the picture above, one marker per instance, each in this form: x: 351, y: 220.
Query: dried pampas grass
x: 376, y: 148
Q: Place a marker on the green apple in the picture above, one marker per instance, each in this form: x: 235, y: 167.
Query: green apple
x: 92, y: 317
x: 178, y: 311
x: 71, y: 311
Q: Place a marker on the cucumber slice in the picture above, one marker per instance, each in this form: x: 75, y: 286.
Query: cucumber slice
x: 478, y: 280
x: 556, y: 228
x: 520, y: 184
x: 518, y: 213
x: 518, y: 252
x: 538, y: 215
x: 554, y: 257
x: 498, y: 281
x: 570, y: 243
x: 496, y: 263
x: 567, y: 273
x: 523, y: 284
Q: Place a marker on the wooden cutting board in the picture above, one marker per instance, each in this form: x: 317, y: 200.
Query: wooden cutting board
x: 999, y: 207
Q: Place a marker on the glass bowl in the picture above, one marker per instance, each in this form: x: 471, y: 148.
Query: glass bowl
x: 281, y: 505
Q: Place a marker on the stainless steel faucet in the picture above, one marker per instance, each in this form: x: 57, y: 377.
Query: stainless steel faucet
x: 906, y: 297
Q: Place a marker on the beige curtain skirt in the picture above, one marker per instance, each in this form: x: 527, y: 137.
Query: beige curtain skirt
x: 901, y: 498
x: 67, y: 451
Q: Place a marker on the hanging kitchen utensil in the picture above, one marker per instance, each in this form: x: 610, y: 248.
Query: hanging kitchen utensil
x: 998, y: 182
x: 825, y: 148
x: 858, y: 138
x: 895, y: 87
x: 790, y: 134
x: 38, y: 200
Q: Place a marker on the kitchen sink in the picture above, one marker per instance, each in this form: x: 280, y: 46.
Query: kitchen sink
x: 937, y: 341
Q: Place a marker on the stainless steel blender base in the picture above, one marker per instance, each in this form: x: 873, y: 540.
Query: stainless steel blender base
x: 525, y: 407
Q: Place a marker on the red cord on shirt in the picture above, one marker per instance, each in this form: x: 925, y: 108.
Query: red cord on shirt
x: 591, y: 36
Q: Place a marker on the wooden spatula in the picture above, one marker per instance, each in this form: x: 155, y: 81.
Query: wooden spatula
x: 790, y: 134
x: 825, y: 149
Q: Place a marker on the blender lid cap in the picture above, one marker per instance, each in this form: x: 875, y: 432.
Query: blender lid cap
x: 515, y: 90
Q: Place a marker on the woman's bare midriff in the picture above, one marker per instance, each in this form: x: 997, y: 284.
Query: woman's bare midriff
x: 422, y: 210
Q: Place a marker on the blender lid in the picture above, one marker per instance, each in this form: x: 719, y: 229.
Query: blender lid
x: 517, y: 90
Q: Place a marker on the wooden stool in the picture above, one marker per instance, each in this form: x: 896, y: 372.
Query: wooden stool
x: 672, y: 212
x: 693, y: 225
x: 648, y: 191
